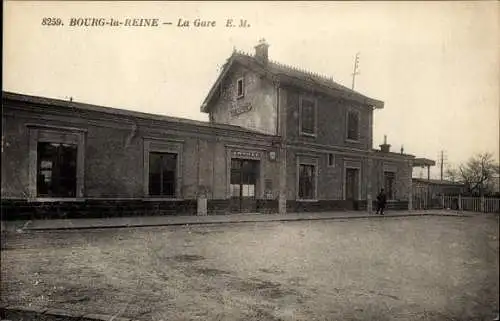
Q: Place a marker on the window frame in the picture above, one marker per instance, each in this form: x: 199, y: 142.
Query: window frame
x: 163, y: 195
x: 314, y: 102
x: 242, y: 94
x: 330, y: 156
x: 56, y: 174
x: 42, y: 133
x: 358, y: 131
x: 158, y: 145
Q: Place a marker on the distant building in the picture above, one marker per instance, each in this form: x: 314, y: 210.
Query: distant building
x: 279, y: 139
x: 436, y: 187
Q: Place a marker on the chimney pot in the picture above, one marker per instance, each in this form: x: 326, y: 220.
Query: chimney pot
x: 261, y: 51
x: 385, y: 148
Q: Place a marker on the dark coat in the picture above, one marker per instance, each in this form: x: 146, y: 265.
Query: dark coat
x: 381, y: 199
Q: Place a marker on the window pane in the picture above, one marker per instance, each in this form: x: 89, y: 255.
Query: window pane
x: 155, y: 174
x: 162, y: 174
x: 235, y: 190
x: 249, y: 172
x: 352, y: 125
x: 235, y: 163
x: 244, y: 190
x: 168, y: 183
x: 235, y: 176
x: 56, y: 169
x: 240, y: 87
x: 308, y: 116
x: 67, y: 164
x: 154, y: 163
x: 251, y: 190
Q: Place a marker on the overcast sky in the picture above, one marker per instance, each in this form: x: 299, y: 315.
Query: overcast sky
x: 434, y: 64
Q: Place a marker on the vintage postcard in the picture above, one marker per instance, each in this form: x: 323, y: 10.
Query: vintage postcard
x: 302, y: 160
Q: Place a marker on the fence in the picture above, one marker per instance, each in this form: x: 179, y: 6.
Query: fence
x: 474, y: 204
x: 424, y: 202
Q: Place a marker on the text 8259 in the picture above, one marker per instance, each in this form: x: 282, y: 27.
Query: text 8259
x: 52, y: 22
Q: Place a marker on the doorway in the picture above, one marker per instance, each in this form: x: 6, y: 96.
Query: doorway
x: 351, y: 184
x: 244, y: 176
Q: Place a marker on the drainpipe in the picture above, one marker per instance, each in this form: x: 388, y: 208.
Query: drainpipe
x: 369, y: 202
x: 282, y: 151
x: 410, y: 188
x: 201, y: 197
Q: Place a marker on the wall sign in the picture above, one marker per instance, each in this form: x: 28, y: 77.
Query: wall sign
x: 245, y: 154
x: 237, y: 110
x: 390, y: 168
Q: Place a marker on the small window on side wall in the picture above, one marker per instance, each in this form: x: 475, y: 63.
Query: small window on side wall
x: 331, y: 160
x: 307, y: 116
x: 352, y: 125
x: 240, y: 88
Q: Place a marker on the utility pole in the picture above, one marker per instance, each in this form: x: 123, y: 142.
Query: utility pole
x: 442, y: 159
x: 355, y: 70
x: 442, y: 165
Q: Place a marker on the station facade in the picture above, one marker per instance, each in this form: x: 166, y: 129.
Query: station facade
x: 278, y: 140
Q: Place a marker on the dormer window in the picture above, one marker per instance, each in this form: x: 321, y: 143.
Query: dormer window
x: 240, y: 88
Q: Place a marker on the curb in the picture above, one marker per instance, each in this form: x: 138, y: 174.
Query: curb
x: 277, y: 219
x: 19, y: 313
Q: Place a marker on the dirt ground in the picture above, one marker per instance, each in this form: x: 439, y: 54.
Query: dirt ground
x: 412, y: 268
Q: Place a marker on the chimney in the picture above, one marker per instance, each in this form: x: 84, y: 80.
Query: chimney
x: 261, y: 52
x: 385, y: 148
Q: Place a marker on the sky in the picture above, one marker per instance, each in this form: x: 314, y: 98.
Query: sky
x: 434, y: 64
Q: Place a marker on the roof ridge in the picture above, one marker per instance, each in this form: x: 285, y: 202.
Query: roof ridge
x: 307, y: 75
x: 283, y: 65
x: 304, y: 71
x: 117, y: 111
x: 241, y: 52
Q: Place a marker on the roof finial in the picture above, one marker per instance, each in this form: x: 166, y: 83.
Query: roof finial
x: 385, y: 139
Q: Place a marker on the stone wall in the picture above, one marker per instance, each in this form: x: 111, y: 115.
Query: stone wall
x: 115, y: 165
x: 256, y: 110
x: 331, y: 120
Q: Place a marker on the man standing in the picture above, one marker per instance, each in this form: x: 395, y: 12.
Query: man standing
x: 381, y: 200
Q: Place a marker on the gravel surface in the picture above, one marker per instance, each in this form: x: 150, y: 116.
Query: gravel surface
x: 411, y: 268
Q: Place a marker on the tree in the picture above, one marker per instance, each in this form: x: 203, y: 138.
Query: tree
x: 452, y: 174
x: 480, y: 174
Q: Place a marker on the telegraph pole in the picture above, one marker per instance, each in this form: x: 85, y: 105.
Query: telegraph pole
x: 442, y: 159
x: 355, y: 70
x: 442, y: 165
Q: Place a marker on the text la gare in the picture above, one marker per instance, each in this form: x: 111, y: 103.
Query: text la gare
x: 210, y: 23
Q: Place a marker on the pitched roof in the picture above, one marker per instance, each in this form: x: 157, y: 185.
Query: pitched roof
x: 45, y: 101
x: 418, y: 162
x: 289, y: 75
x: 437, y: 182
